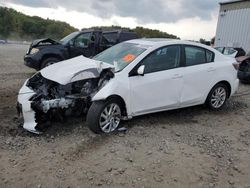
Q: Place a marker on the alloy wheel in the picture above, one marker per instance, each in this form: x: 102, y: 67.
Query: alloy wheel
x: 218, y: 97
x: 110, y: 118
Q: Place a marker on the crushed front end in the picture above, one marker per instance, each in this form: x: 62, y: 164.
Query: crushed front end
x: 41, y: 101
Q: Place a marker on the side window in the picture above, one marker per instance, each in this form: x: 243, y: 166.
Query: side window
x: 82, y: 40
x: 162, y: 59
x: 210, y: 56
x: 110, y: 38
x: 194, y: 55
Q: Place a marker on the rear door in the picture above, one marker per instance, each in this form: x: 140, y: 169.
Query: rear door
x: 198, y: 75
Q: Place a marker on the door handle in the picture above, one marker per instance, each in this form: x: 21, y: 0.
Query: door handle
x: 176, y: 76
x: 210, y: 69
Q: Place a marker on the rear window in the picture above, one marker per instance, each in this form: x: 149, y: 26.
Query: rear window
x: 111, y: 37
x: 197, y: 55
x: 127, y: 36
x: 194, y: 55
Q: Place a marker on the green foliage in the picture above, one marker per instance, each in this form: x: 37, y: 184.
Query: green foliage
x: 6, y: 22
x: 109, y: 28
x: 153, y: 33
x: 13, y: 23
x: 202, y: 41
x: 212, y: 40
x: 141, y: 31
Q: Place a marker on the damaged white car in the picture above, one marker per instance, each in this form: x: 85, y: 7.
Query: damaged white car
x: 129, y: 79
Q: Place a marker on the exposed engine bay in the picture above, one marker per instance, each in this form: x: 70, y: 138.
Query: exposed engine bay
x: 42, y: 100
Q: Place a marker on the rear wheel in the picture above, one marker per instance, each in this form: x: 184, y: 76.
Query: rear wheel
x: 49, y: 61
x: 217, y: 96
x: 104, y: 116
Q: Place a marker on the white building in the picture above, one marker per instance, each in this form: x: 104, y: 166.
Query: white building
x: 233, y: 28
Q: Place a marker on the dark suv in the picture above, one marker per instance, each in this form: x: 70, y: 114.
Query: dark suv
x: 44, y: 52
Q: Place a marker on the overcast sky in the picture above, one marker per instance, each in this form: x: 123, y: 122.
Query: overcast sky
x: 188, y: 19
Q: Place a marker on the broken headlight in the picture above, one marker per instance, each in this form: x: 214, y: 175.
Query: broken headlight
x: 34, y: 50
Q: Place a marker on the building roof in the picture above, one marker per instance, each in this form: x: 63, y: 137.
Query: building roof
x: 232, y: 1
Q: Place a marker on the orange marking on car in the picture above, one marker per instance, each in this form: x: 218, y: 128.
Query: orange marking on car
x: 129, y: 57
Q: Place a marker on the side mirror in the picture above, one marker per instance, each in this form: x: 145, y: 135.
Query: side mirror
x: 140, y: 70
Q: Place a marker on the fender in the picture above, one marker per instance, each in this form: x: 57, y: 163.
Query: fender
x: 58, y: 50
x: 118, y: 87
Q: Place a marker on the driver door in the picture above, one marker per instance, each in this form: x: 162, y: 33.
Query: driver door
x: 160, y: 86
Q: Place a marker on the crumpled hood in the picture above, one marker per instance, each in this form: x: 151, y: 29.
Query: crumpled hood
x: 36, y: 43
x: 74, y: 69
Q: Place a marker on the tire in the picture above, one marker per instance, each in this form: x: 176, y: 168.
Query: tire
x: 217, y: 96
x: 49, y: 61
x: 96, y: 116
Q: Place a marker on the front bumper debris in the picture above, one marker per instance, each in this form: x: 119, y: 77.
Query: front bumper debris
x: 32, y: 61
x: 24, y: 108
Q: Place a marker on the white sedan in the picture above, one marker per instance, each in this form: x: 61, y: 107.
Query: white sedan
x: 132, y: 78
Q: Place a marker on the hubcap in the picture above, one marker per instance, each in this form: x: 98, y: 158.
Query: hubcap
x: 218, y: 97
x: 110, y: 118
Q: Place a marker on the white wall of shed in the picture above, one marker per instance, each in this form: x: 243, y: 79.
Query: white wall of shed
x: 233, y: 29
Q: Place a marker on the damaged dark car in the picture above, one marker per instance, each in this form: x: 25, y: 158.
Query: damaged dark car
x: 44, y: 52
x: 244, y: 68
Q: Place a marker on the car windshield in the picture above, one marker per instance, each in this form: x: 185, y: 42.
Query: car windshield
x: 120, y: 55
x: 66, y: 39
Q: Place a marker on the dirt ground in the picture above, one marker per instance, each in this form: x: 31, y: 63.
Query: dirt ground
x: 191, y: 147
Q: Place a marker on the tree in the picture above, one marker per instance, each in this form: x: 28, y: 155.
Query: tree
x: 6, y: 22
x: 141, y: 31
x: 202, y: 41
x: 31, y: 27
x: 212, y: 40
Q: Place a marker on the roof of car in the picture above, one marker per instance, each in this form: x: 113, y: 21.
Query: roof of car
x: 153, y: 40
x: 163, y: 41
x: 158, y: 39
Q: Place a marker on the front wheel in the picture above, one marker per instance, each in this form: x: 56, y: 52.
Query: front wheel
x: 49, y: 61
x: 217, y: 96
x: 104, y: 116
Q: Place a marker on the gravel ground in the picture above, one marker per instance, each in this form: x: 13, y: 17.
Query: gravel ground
x: 191, y: 147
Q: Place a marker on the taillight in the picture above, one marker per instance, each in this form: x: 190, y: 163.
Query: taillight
x: 236, y: 65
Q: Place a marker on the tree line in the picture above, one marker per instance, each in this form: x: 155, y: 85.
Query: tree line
x: 141, y: 31
x: 15, y: 25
